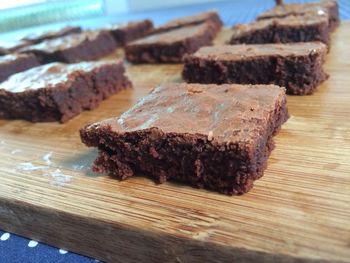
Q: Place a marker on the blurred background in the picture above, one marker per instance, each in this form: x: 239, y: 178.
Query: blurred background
x: 18, y: 16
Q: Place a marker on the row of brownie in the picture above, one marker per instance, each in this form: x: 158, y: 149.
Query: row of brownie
x: 225, y: 149
x: 71, y: 44
x: 209, y: 153
x: 213, y: 136
x: 67, y: 45
x: 23, y: 96
x: 284, y: 47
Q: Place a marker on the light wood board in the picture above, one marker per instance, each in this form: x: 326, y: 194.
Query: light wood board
x: 299, y: 210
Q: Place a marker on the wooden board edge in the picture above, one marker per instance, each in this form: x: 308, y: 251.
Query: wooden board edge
x: 116, y: 242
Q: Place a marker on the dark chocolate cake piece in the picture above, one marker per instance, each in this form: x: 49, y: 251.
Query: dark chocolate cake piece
x: 303, y: 28
x: 169, y: 47
x: 328, y: 7
x: 11, y: 64
x: 210, y: 16
x: 207, y: 136
x: 89, y: 45
x: 296, y: 66
x: 58, y: 92
x: 126, y: 33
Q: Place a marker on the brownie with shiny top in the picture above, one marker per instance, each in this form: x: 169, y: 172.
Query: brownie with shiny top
x: 210, y: 16
x: 302, y: 28
x: 217, y: 137
x: 11, y: 64
x: 131, y: 31
x: 36, y: 38
x: 296, y: 66
x: 171, y: 46
x: 89, y: 45
x: 58, y: 92
x: 330, y: 7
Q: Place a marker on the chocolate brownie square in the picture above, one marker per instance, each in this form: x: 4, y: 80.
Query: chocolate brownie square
x: 169, y: 47
x: 303, y: 28
x: 131, y: 31
x: 207, y: 136
x: 11, y: 64
x: 296, y: 66
x: 89, y: 45
x: 36, y: 38
x: 58, y: 92
x: 328, y: 7
x: 210, y: 16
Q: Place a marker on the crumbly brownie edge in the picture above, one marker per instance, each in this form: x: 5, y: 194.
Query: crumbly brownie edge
x: 275, y: 33
x: 300, y: 75
x: 258, y: 36
x: 64, y: 101
x: 168, y: 53
x: 191, y: 159
x: 124, y: 35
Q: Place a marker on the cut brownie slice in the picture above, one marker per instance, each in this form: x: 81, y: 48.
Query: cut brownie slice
x: 330, y: 7
x: 58, y: 92
x: 11, y: 64
x: 208, y: 136
x: 210, y: 16
x: 303, y: 28
x: 296, y: 66
x: 73, y: 48
x: 37, y: 38
x: 131, y: 31
x: 169, y: 47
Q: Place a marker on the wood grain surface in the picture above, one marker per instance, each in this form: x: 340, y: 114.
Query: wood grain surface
x: 299, y: 211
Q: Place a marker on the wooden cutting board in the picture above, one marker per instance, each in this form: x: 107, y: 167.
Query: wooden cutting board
x: 299, y: 210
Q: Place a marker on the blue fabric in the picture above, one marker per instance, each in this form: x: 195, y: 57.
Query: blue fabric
x: 15, y: 248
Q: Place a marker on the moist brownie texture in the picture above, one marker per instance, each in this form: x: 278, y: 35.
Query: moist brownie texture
x: 210, y: 16
x: 169, y: 47
x: 37, y: 38
x: 73, y: 48
x: 329, y: 7
x: 11, y: 64
x: 58, y: 92
x: 302, y: 28
x: 208, y: 136
x: 131, y: 31
x: 296, y: 66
